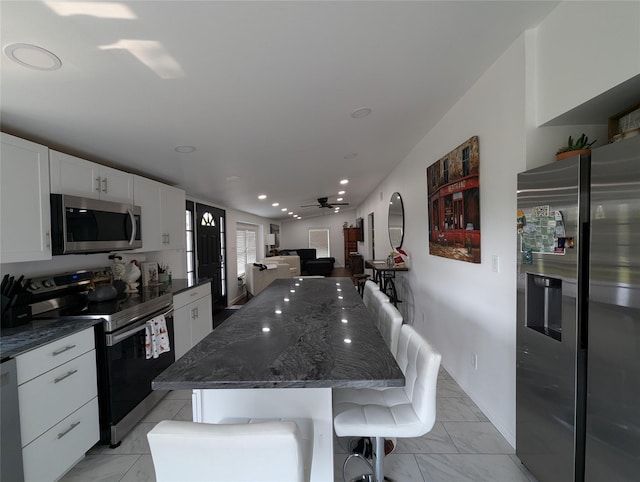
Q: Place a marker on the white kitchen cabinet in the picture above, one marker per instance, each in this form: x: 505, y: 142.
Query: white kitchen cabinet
x: 24, y: 201
x: 192, y: 317
x: 173, y: 202
x: 79, y: 177
x: 57, y: 395
x: 163, y: 214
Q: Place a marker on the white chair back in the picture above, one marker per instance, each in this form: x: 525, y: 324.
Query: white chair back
x: 420, y: 364
x: 378, y: 298
x: 251, y: 452
x: 388, y: 322
x: 367, y: 293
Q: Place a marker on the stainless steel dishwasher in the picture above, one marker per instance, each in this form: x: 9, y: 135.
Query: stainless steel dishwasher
x: 10, y: 441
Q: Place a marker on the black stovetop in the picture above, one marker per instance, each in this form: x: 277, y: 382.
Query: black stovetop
x: 116, y: 313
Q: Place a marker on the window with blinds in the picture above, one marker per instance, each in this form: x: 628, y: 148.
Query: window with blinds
x: 247, y: 249
x: 319, y: 239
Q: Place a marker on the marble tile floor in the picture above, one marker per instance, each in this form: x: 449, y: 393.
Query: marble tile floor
x: 463, y: 446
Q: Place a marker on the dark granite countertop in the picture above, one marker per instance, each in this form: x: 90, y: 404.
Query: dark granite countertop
x: 283, y: 339
x: 21, y: 339
x: 182, y: 284
x: 14, y: 341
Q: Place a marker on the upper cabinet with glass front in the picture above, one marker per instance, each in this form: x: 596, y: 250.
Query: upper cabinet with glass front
x: 24, y: 201
x: 79, y: 177
x: 163, y: 214
x: 396, y: 221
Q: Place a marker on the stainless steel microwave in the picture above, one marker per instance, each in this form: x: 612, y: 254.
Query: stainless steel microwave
x: 84, y: 225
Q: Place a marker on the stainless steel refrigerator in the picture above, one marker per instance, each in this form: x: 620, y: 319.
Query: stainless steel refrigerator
x: 578, y: 317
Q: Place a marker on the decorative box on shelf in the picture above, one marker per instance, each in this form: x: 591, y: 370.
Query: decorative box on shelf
x: 625, y: 123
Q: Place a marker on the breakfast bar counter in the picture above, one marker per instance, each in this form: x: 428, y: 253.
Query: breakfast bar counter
x: 281, y: 355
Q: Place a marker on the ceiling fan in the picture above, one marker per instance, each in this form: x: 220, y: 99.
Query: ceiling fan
x: 323, y: 202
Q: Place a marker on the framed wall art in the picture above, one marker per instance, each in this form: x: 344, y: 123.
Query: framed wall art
x: 149, y: 274
x: 453, y: 188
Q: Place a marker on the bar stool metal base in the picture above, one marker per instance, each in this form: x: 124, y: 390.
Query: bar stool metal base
x: 377, y: 469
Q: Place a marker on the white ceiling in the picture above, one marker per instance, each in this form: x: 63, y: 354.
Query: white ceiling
x: 263, y: 90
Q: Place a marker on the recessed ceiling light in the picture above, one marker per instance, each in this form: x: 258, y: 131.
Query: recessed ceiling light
x: 32, y: 56
x: 341, y: 192
x: 344, y: 181
x: 185, y: 149
x: 275, y: 205
x: 339, y: 199
x: 290, y: 213
x: 262, y: 196
x: 353, y: 155
x: 283, y: 209
x: 360, y: 113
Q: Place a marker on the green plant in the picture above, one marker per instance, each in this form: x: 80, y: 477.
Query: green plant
x: 581, y: 143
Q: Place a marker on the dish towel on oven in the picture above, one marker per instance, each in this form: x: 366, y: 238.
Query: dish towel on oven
x: 156, y: 337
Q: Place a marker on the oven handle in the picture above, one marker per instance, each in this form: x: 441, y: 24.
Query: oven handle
x: 115, y: 339
x: 148, y: 317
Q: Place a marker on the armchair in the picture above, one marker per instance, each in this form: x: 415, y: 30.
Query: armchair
x: 292, y: 261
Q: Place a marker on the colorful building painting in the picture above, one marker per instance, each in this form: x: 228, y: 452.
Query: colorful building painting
x: 453, y: 186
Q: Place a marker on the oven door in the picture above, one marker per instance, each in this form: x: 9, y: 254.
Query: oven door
x: 129, y: 373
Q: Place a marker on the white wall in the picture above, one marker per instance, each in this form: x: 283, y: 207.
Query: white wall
x: 59, y: 264
x: 585, y: 49
x: 295, y: 234
x: 465, y: 308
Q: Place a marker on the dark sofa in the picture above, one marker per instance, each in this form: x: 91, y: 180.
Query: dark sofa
x: 309, y: 264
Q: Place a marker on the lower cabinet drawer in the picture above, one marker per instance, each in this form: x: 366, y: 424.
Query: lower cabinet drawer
x: 51, y: 355
x: 52, y: 396
x: 190, y: 295
x: 55, y: 451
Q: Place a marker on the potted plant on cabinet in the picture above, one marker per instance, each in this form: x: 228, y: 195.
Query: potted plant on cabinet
x: 579, y: 147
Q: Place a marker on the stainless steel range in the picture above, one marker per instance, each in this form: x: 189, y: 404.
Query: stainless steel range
x: 124, y: 373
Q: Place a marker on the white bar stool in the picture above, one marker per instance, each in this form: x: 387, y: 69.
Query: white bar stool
x: 408, y: 411
x: 268, y: 451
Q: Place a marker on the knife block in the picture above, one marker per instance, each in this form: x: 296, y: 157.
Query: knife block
x: 16, y: 316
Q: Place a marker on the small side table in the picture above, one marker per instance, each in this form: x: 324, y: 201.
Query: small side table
x: 384, y: 276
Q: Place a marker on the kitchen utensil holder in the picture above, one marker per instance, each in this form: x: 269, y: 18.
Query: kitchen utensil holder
x: 16, y: 316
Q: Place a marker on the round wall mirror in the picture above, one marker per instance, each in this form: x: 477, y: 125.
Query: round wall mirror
x: 396, y: 220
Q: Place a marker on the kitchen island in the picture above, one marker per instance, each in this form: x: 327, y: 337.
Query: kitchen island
x: 281, y: 355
